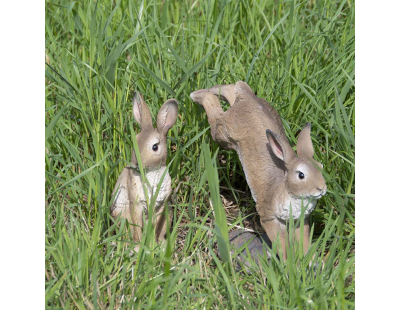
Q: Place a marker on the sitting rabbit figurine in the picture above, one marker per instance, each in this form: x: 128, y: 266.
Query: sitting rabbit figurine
x: 130, y: 200
x: 278, y: 179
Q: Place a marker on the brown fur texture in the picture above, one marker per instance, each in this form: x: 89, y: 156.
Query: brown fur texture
x: 253, y: 128
x: 130, y: 201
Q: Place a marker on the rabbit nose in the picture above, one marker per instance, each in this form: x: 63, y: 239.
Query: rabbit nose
x: 322, y: 190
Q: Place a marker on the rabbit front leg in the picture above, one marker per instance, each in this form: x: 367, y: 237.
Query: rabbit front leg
x: 161, y: 222
x: 274, y: 228
x: 306, y: 235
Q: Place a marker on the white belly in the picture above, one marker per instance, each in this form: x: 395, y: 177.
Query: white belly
x: 136, y: 196
x: 154, y: 178
x: 296, y: 204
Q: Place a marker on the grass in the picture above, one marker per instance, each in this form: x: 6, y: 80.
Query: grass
x: 298, y: 55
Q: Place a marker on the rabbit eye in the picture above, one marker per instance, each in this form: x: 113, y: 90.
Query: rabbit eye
x: 155, y: 147
x: 301, y: 175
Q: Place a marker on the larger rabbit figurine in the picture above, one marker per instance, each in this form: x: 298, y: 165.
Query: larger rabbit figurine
x: 278, y: 179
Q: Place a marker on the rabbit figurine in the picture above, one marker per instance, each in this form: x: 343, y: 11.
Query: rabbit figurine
x: 278, y: 179
x: 130, y: 200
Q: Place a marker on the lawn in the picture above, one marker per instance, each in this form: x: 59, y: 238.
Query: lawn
x: 297, y: 55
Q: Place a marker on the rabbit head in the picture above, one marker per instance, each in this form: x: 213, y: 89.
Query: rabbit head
x: 152, y: 142
x: 303, y: 176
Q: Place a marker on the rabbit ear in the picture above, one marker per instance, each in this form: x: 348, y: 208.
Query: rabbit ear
x: 304, y: 143
x: 141, y: 111
x: 167, y: 116
x: 278, y: 148
x: 275, y: 145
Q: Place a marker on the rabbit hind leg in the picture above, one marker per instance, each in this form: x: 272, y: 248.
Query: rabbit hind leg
x: 225, y: 93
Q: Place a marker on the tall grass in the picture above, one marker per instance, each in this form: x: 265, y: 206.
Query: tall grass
x: 298, y: 55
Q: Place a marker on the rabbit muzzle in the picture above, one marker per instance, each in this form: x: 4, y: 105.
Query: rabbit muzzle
x: 322, y: 192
